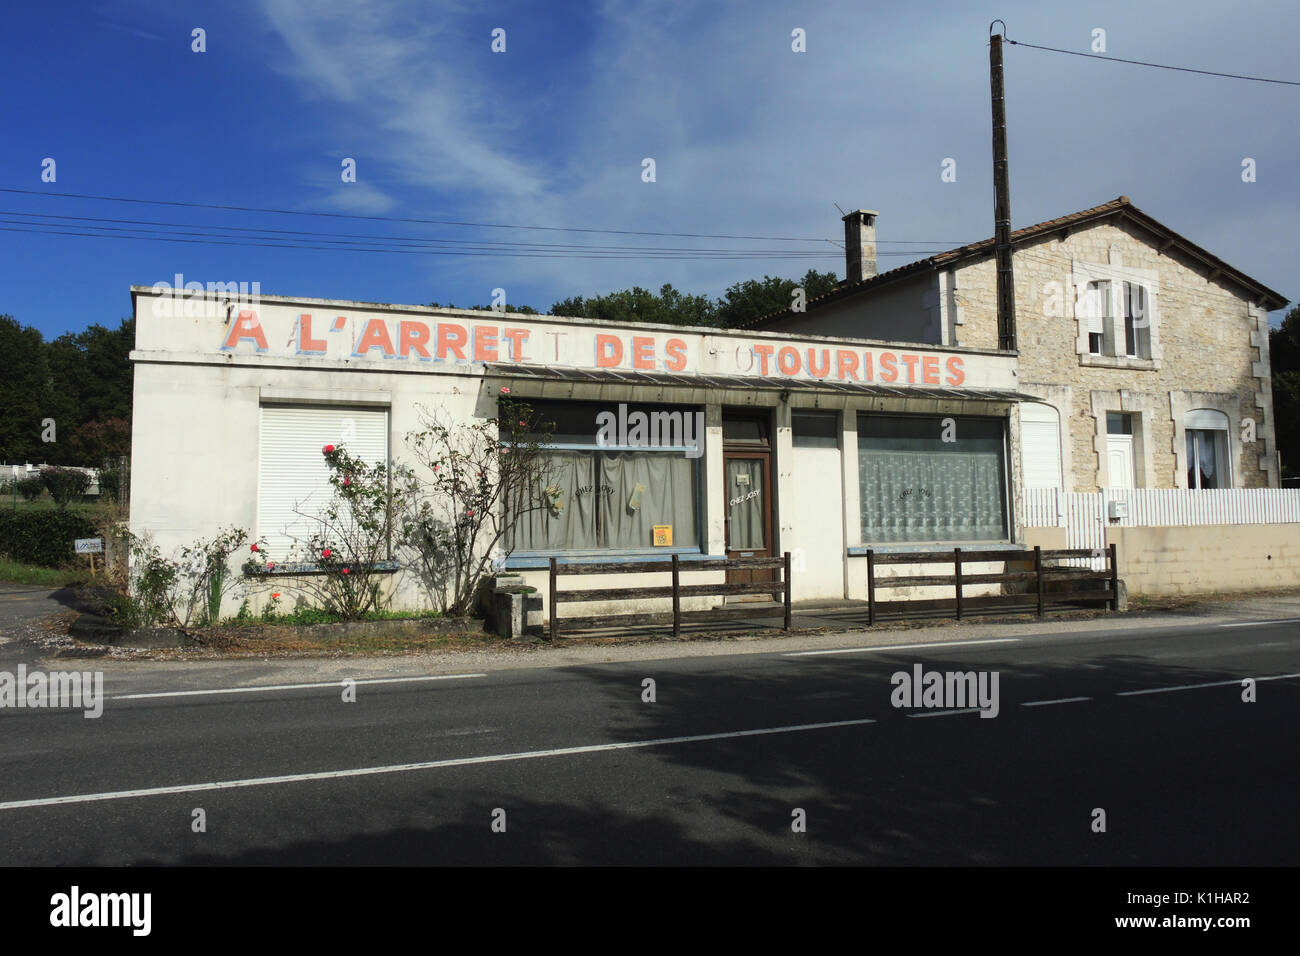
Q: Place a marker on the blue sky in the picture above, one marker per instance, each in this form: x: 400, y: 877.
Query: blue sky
x: 749, y: 138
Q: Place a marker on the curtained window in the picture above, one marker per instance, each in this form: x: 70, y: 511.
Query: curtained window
x: 917, y: 487
x: 601, y: 498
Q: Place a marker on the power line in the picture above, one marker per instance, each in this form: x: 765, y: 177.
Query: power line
x: 207, y: 229
x: 442, y: 222
x: 46, y: 230
x: 1158, y: 66
x: 427, y: 222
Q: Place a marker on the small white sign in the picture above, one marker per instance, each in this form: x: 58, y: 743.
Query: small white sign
x: 89, y: 545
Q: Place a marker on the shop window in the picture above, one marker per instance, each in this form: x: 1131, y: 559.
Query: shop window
x: 815, y: 429
x: 610, y: 496
x: 931, y: 478
x: 1207, y: 449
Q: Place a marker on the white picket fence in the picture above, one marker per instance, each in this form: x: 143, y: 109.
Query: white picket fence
x: 1085, y: 515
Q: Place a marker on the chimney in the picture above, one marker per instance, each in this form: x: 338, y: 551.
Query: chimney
x: 860, y: 245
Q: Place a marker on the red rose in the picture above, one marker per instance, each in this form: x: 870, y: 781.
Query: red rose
x: 523, y: 424
x: 345, y: 570
x: 325, y: 553
x: 327, y: 449
x: 275, y: 595
x: 469, y: 514
x: 270, y: 565
x: 346, y: 482
x: 252, y: 547
x: 505, y: 390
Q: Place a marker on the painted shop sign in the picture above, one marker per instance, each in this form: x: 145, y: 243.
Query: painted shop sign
x: 413, y: 340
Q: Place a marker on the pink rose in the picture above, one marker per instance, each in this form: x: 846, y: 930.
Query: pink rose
x: 505, y: 390
x: 346, y: 482
x: 270, y: 565
x: 469, y: 514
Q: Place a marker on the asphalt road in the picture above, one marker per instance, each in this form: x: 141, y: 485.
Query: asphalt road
x: 588, y: 772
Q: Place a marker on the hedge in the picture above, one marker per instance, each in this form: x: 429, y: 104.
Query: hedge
x: 43, y: 536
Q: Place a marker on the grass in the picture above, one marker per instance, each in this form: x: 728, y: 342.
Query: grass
x: 312, y: 615
x: 15, y: 572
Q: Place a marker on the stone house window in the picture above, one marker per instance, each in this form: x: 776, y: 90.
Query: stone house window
x: 1117, y: 317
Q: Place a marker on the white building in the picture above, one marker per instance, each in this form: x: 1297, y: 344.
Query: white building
x: 815, y: 445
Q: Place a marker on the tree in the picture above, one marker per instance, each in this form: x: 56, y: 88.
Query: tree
x: 98, y: 444
x: 1284, y: 354
x: 753, y: 298
x: 25, y: 389
x: 65, y: 485
x: 668, y: 307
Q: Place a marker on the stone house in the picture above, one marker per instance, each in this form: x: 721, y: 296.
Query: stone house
x: 1148, y: 354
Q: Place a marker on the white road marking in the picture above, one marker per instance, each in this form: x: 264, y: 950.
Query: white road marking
x: 267, y: 687
x: 1217, y: 683
x: 1059, y: 700
x: 428, y: 765
x: 1289, y: 620
x: 903, y: 647
x: 947, y: 713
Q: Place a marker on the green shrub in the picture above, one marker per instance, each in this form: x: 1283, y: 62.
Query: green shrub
x: 65, y: 484
x: 110, y: 482
x: 43, y: 537
x: 31, y: 488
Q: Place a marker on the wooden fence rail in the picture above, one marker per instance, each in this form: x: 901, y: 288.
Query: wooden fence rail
x: 1053, y: 584
x: 676, y: 590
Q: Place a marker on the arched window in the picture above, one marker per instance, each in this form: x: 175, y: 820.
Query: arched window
x: 1207, y: 449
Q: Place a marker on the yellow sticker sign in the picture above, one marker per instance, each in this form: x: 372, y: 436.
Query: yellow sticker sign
x: 663, y: 535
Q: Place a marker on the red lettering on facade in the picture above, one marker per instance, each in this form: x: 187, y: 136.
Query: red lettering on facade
x: 676, y: 360
x: 609, y: 351
x: 764, y: 352
x: 787, y: 360
x: 375, y: 336
x: 846, y: 364
x: 910, y: 361
x: 451, y: 338
x: 825, y: 365
x: 246, y: 326
x: 643, y: 352
x: 930, y: 370
x: 413, y: 336
x: 305, y: 342
x: 485, y: 343
x: 888, y: 367
x: 955, y: 373
x: 517, y: 339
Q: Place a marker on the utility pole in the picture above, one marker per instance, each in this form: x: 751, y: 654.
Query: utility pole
x: 1002, y: 200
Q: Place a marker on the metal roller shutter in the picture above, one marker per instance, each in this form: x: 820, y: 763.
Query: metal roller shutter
x: 1040, y: 446
x: 292, y: 474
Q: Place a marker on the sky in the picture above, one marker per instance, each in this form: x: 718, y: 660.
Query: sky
x: 748, y: 137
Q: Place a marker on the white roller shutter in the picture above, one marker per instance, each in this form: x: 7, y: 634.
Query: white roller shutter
x: 1040, y: 446
x: 292, y: 474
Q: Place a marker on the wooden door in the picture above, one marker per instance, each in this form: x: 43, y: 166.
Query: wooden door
x: 748, y: 483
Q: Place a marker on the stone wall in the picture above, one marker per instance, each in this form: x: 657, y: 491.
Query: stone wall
x: 1209, y: 349
x: 1207, y: 558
